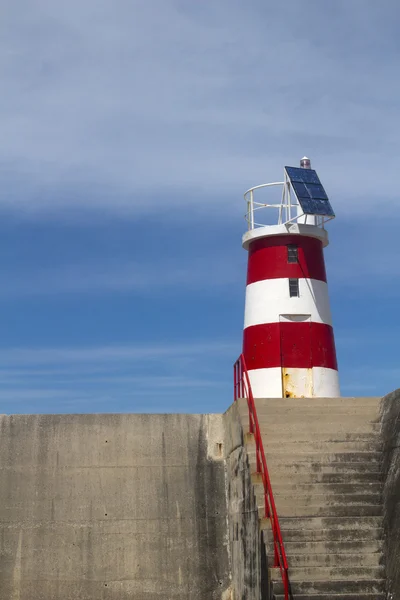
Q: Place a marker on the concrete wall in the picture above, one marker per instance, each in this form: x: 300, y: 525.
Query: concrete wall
x: 113, y: 507
x: 390, y: 413
x: 246, y: 547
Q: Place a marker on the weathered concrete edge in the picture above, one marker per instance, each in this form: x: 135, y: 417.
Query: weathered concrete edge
x: 32, y: 445
x: 247, y: 550
x: 390, y: 421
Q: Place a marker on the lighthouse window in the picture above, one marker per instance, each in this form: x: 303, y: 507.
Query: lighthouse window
x: 294, y: 288
x: 292, y: 254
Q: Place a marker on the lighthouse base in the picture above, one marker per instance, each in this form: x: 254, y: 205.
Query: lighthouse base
x: 277, y: 382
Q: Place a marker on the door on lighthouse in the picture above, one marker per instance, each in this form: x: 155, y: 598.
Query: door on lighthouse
x: 296, y: 360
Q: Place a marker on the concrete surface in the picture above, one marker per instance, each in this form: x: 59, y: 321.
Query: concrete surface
x: 328, y: 493
x: 247, y: 551
x: 390, y: 412
x: 122, y: 507
x: 112, y: 507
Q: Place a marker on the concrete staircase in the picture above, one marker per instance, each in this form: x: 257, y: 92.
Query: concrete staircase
x: 324, y: 460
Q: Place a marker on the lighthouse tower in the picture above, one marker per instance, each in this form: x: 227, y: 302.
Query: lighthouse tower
x: 288, y: 341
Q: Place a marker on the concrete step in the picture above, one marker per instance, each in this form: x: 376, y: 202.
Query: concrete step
x: 342, y: 523
x: 329, y: 588
x: 334, y: 560
x: 309, y: 422
x: 318, y: 405
x: 342, y: 427
x: 318, y: 573
x: 300, y: 403
x: 313, y: 477
x: 290, y: 509
x: 313, y: 446
x: 306, y: 421
x: 330, y: 536
x: 317, y: 457
x: 297, y: 402
x: 281, y: 470
x: 327, y: 489
x: 322, y: 499
x: 321, y: 547
x: 327, y: 499
x: 356, y: 596
x: 331, y: 447
x: 275, y: 437
x: 316, y: 412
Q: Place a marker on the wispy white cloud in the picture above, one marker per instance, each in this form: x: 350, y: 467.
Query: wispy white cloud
x: 114, y: 276
x: 112, y: 353
x: 42, y: 394
x: 122, y: 105
x: 117, y: 380
x: 145, y: 378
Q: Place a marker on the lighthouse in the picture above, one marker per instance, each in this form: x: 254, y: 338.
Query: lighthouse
x: 288, y: 341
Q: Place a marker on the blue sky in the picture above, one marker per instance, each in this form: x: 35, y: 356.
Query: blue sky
x: 130, y: 130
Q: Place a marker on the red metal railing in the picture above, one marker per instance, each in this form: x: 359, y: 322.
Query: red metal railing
x: 242, y: 389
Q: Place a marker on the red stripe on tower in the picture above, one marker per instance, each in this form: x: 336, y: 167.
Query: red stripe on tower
x: 288, y: 340
x: 269, y: 259
x: 302, y: 345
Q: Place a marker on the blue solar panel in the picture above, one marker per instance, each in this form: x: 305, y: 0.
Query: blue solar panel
x: 309, y: 191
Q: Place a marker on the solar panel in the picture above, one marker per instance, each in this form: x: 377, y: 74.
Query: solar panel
x: 309, y: 191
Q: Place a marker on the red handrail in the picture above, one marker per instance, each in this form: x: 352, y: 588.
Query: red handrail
x: 242, y: 389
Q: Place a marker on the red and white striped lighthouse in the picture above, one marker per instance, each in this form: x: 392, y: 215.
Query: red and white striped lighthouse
x: 288, y: 341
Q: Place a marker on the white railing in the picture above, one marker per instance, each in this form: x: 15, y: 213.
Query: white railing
x: 289, y: 210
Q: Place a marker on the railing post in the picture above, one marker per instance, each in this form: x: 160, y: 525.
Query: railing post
x: 252, y: 209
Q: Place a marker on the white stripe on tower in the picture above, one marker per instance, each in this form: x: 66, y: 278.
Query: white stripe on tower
x: 313, y: 299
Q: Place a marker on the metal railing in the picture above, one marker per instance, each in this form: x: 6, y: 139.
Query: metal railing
x: 288, y: 209
x: 242, y: 389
